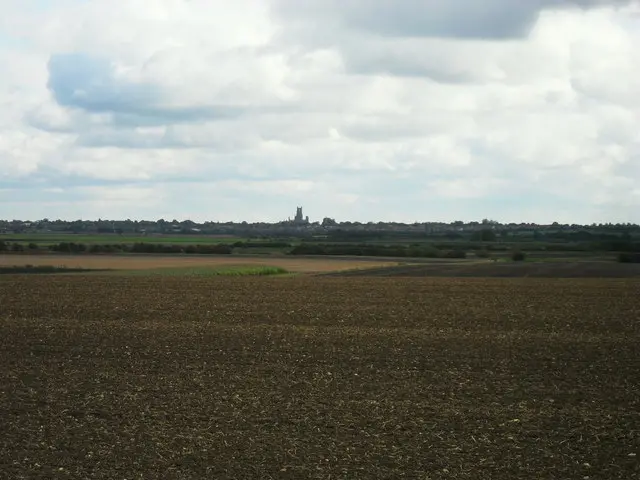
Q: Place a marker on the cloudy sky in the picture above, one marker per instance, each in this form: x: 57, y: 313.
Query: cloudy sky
x: 406, y: 110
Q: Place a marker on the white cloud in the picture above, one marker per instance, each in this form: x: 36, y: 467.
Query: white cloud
x: 357, y: 108
x: 124, y: 194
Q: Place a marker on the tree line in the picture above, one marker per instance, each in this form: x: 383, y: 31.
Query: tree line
x: 141, y: 247
x: 627, y: 252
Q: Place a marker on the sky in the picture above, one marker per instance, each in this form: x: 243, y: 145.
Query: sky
x: 358, y: 110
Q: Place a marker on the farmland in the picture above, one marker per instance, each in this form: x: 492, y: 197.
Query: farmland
x: 318, y: 377
x: 149, y: 262
x: 488, y: 269
x: 92, y: 239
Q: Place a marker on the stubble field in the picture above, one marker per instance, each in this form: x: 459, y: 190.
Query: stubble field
x: 305, y: 377
x: 148, y: 262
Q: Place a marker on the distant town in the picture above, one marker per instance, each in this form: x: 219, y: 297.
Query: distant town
x: 301, y: 226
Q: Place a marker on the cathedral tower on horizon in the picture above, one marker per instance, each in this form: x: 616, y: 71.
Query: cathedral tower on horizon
x: 300, y: 219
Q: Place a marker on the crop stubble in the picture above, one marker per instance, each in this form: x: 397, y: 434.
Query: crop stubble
x: 146, y: 262
x: 165, y: 377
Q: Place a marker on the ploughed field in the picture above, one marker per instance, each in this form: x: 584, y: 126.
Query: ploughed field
x: 487, y: 269
x: 314, y: 377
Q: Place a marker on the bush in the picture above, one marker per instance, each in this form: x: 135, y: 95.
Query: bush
x: 629, y: 257
x: 483, y: 253
x: 366, y: 250
x: 262, y: 244
x: 425, y: 251
x: 518, y: 256
x: 68, y: 247
x: 455, y: 254
x: 213, y: 249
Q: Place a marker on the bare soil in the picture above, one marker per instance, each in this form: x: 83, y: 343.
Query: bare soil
x: 107, y: 377
x: 570, y: 269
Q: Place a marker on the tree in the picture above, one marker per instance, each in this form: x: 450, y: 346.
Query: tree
x: 485, y: 235
x: 518, y: 256
x: 629, y: 257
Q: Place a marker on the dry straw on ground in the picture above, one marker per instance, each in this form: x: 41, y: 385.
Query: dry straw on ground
x: 142, y: 262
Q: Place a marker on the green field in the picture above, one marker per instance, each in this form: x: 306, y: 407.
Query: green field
x: 277, y: 246
x: 204, y: 271
x: 46, y: 239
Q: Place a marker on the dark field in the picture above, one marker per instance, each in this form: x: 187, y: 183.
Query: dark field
x: 548, y: 269
x: 342, y: 378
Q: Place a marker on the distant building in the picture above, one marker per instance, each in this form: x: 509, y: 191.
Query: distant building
x: 299, y: 218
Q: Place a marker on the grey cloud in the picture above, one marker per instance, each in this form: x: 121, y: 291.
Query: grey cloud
x: 477, y: 19
x: 453, y: 18
x: 156, y: 116
x: 129, y: 139
x: 396, y: 65
x: 376, y: 128
x: 48, y: 177
x: 36, y: 121
x: 396, y: 37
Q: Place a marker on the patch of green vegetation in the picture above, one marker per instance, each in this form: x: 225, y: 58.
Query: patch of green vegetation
x: 567, y: 259
x: 49, y: 239
x: 240, y: 271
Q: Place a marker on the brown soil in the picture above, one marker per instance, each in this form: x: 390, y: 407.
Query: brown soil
x: 584, y: 269
x: 107, y: 377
